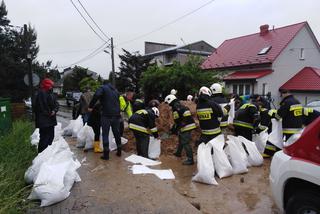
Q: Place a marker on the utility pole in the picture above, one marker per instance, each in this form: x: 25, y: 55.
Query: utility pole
x: 112, y: 63
x: 29, y: 60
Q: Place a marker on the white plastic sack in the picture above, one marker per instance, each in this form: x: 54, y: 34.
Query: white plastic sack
x: 220, y: 160
x: 142, y: 160
x: 35, y: 137
x: 154, y: 148
x: 82, y: 136
x: 205, y: 165
x: 293, y: 138
x: 112, y: 141
x: 89, y: 138
x: 56, y: 147
x: 276, y: 136
x: 160, y: 173
x: 238, y: 164
x: 261, y: 140
x: 254, y: 157
x: 231, y: 112
x: 67, y: 131
x: 57, y: 132
x: 240, y: 149
x: 78, y: 124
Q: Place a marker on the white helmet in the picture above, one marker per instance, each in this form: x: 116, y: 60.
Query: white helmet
x: 205, y: 90
x: 216, y: 88
x: 173, y: 91
x: 189, y: 97
x: 155, y: 111
x: 169, y: 98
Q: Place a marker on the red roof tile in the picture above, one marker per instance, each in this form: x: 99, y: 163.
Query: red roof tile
x: 241, y: 75
x: 308, y: 79
x: 244, y: 50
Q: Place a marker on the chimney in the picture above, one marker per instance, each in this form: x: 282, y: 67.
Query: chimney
x: 264, y: 29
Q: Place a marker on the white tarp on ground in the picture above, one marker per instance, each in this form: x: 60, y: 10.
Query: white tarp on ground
x: 136, y: 159
x: 160, y: 173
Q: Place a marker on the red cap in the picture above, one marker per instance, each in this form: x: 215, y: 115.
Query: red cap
x: 46, y: 84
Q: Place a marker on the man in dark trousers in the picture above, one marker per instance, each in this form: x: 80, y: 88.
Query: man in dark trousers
x: 45, y: 109
x: 142, y: 123
x: 110, y: 116
x: 183, y: 126
x: 208, y: 113
x: 291, y: 112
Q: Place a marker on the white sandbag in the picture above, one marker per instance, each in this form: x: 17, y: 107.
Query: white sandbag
x: 276, y: 136
x: 238, y: 164
x: 56, y: 147
x: 221, y: 163
x: 205, y: 165
x: 261, y: 140
x: 231, y: 112
x: 89, y: 138
x: 163, y: 174
x: 293, y: 138
x: 67, y: 131
x: 35, y: 137
x: 112, y: 141
x: 240, y: 149
x: 78, y: 124
x: 254, y: 156
x: 142, y: 160
x: 82, y: 136
x: 57, y: 131
x: 154, y: 148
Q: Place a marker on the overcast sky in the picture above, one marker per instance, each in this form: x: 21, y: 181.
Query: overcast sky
x: 65, y: 38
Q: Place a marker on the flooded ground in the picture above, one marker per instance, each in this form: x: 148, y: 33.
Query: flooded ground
x: 110, y: 187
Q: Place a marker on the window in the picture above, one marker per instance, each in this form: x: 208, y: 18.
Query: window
x: 241, y: 89
x: 247, y: 89
x: 264, y: 50
x: 235, y: 89
x: 302, y: 54
x: 264, y: 89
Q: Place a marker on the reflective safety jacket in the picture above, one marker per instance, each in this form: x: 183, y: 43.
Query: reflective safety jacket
x: 182, y: 117
x: 208, y: 113
x: 223, y: 102
x: 246, y: 116
x: 144, y: 121
x: 125, y: 106
x: 309, y: 115
x: 291, y: 112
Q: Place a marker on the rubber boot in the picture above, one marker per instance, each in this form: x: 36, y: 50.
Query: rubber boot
x: 105, y: 155
x: 96, y: 147
x: 119, y: 152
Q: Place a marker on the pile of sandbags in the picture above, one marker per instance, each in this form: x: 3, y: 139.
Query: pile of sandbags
x: 53, y: 172
x: 225, y: 158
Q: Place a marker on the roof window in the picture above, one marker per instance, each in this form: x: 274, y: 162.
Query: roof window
x: 264, y: 50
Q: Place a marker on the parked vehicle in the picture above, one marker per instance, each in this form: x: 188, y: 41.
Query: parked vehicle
x: 295, y: 173
x: 314, y: 104
x: 72, y: 96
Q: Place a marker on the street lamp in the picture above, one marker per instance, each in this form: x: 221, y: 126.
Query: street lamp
x: 112, y: 75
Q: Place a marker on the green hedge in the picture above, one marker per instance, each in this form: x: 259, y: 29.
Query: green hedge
x: 16, y: 155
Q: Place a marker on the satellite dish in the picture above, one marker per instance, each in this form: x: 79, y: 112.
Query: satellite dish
x: 35, y: 79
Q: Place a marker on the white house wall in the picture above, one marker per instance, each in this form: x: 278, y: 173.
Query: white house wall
x: 288, y: 63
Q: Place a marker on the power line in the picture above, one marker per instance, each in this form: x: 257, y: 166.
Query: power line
x: 94, y: 53
x: 165, y: 25
x: 87, y: 22
x: 66, y: 52
x: 93, y: 20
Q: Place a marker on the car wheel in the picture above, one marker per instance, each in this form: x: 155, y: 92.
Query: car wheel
x: 303, y: 203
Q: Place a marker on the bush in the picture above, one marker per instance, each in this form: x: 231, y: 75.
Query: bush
x: 16, y: 155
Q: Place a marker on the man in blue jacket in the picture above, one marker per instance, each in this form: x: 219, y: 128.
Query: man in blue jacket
x: 110, y: 116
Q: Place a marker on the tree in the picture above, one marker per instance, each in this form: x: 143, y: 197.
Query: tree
x: 90, y: 82
x: 71, y: 82
x: 157, y: 82
x: 131, y: 68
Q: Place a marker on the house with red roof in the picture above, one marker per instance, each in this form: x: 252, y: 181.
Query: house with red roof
x: 263, y: 62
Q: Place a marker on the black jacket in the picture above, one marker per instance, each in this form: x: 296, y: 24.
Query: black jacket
x: 223, y: 102
x: 208, y: 113
x: 45, y: 104
x: 291, y: 112
x: 182, y: 117
x: 109, y: 99
x: 309, y: 115
x: 144, y: 121
x: 247, y: 116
